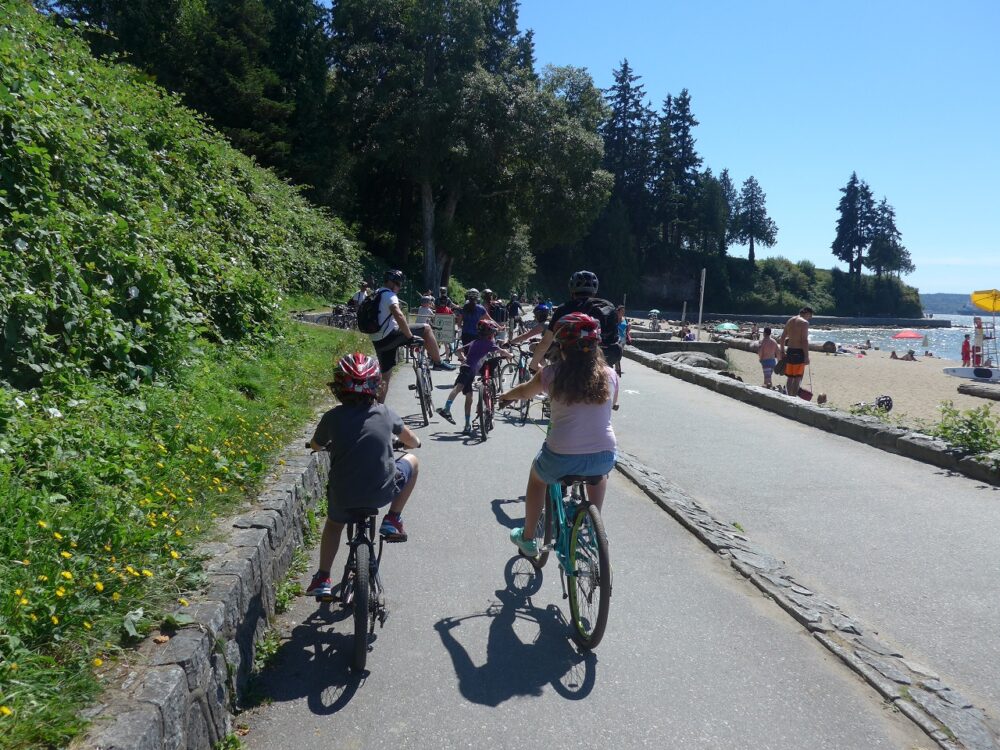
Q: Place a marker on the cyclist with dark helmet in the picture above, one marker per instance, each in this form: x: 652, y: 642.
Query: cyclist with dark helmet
x: 583, y: 391
x: 583, y: 298
x: 474, y: 354
x: 358, y: 434
x: 395, y: 331
x: 541, y: 313
x: 469, y: 316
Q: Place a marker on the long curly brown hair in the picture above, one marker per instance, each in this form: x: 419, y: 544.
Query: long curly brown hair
x: 580, y: 377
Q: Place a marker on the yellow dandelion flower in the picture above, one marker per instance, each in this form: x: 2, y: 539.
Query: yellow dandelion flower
x: 130, y: 570
x: 25, y: 561
x: 107, y: 547
x: 87, y: 625
x: 99, y: 586
x: 159, y: 465
x: 57, y: 535
x: 60, y: 592
x: 24, y: 602
x: 34, y: 617
x: 98, y: 662
x: 5, y: 711
x: 73, y: 545
x: 55, y: 620
x: 18, y: 592
x: 66, y: 555
x: 43, y: 525
x: 178, y: 532
x: 215, y: 480
x: 13, y: 666
x: 67, y: 575
x: 174, y: 555
x: 116, y: 596
x: 147, y: 573
x: 183, y: 602
x: 43, y: 578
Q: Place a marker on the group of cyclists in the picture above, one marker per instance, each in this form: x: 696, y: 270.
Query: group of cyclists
x: 575, y: 362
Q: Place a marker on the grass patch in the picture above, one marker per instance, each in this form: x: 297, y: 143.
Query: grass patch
x: 104, y: 496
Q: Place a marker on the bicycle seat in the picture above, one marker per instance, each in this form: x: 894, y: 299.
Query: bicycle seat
x: 359, y: 515
x: 574, y: 478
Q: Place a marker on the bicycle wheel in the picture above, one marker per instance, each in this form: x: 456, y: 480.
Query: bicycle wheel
x: 423, y: 396
x: 490, y: 404
x: 589, y: 577
x: 481, y: 412
x: 508, y: 377
x: 362, y: 591
x: 428, y: 390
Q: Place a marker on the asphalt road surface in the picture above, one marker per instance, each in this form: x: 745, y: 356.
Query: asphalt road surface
x: 909, y: 549
x: 477, y: 650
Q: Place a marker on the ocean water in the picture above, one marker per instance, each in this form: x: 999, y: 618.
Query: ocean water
x: 942, y: 342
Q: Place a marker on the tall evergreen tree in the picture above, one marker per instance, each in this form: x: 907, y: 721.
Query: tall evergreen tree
x: 753, y: 225
x: 676, y: 170
x: 886, y: 253
x: 855, y: 225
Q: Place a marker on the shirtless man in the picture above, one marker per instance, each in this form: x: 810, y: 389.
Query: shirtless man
x: 794, y: 348
x: 767, y: 353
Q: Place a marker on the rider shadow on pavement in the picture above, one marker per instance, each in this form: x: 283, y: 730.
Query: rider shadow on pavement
x: 314, y: 662
x: 503, y: 517
x: 514, y: 667
x: 457, y: 437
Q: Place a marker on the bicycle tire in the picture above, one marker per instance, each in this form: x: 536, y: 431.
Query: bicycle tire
x: 491, y: 401
x: 481, y: 413
x: 429, y: 391
x: 362, y: 604
x: 422, y: 396
x: 508, y: 375
x: 590, y: 576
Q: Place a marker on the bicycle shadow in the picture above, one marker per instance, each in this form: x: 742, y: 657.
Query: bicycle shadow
x: 314, y: 663
x: 514, y: 667
x: 456, y: 437
x: 501, y: 514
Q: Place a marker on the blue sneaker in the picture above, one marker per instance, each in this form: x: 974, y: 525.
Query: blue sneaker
x: 443, y: 366
x: 528, y: 548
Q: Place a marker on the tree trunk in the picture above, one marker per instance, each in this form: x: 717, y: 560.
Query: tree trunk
x: 428, y: 208
x: 404, y: 223
x: 446, y: 271
x: 752, y: 260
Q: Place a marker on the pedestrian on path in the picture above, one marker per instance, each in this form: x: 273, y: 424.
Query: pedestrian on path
x: 767, y: 353
x: 794, y: 348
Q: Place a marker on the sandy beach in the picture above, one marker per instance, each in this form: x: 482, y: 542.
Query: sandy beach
x: 917, y: 388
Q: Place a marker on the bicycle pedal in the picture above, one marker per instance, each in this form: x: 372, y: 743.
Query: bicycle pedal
x: 412, y: 386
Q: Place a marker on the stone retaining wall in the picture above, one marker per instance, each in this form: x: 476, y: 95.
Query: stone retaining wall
x: 178, y: 689
x: 663, y: 345
x: 864, y: 429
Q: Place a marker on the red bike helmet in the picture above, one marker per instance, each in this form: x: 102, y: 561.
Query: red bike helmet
x: 357, y: 373
x: 486, y: 326
x: 579, y: 329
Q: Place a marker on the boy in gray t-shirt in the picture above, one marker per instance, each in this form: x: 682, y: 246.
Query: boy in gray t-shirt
x: 363, y: 471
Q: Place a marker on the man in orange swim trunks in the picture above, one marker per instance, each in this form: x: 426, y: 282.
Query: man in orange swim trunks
x: 794, y: 344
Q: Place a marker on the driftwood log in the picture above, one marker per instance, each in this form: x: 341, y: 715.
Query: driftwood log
x: 981, y: 390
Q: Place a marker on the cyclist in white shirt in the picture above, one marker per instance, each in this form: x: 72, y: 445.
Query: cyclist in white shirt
x: 395, y: 331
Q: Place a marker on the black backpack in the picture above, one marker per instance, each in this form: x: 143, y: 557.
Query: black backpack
x: 368, y: 321
x: 607, y: 315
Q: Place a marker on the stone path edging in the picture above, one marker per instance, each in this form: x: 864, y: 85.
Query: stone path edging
x: 179, y: 694
x: 864, y: 429
x: 948, y: 718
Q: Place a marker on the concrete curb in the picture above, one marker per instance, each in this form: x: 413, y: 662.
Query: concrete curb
x: 917, y: 692
x: 864, y: 429
x: 181, y: 694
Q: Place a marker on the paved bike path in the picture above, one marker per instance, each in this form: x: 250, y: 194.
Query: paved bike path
x: 693, y: 657
x: 909, y: 549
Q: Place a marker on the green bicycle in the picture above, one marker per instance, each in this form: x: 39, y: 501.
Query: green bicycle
x: 571, y: 526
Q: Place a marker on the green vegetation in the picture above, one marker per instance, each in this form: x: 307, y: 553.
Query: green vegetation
x: 148, y: 374
x: 974, y: 430
x: 105, y: 496
x: 128, y: 229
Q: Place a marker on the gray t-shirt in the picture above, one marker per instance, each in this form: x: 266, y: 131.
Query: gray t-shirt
x: 362, y: 466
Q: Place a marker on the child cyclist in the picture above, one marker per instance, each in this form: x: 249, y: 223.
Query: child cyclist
x: 363, y: 473
x: 475, y: 353
x: 582, y: 390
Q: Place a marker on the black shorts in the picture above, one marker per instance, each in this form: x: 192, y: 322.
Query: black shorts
x: 468, y: 338
x: 465, y: 378
x: 612, y: 354
x: 386, y: 348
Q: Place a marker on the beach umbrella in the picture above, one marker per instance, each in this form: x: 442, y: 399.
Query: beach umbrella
x: 909, y: 333
x: 727, y: 327
x: 654, y: 311
x: 988, y: 299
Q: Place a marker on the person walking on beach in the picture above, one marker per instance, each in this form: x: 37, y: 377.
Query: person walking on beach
x: 794, y: 348
x: 767, y: 353
x: 967, y: 352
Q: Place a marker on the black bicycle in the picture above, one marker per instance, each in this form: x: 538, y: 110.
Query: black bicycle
x: 514, y: 374
x: 422, y: 372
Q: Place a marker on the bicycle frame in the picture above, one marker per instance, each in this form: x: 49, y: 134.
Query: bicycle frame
x: 563, y: 511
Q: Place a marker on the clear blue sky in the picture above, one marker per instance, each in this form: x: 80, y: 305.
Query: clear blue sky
x: 800, y: 93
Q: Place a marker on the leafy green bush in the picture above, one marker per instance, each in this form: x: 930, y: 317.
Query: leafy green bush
x: 974, y: 430
x: 128, y: 228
